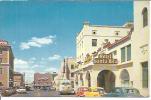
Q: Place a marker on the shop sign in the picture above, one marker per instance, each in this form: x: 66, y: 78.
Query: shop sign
x: 105, y: 59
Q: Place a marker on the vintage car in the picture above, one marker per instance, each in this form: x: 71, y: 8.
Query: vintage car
x: 21, y: 90
x: 8, y: 92
x: 80, y: 92
x: 65, y: 87
x: 95, y: 92
x: 124, y: 92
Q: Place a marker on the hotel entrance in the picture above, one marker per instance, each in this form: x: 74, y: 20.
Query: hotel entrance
x: 106, y: 79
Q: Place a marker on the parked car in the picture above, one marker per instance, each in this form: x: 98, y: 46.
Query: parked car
x: 8, y: 92
x: 52, y: 88
x: 65, y: 87
x: 21, y: 90
x: 95, y: 92
x: 80, y: 92
x: 101, y: 91
x: 124, y: 92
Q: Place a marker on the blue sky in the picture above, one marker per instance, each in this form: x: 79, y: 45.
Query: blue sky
x: 43, y: 33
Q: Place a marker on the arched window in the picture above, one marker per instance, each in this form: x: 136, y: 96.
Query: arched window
x: 125, y: 78
x: 145, y: 17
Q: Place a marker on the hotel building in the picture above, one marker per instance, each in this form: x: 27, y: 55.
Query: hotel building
x: 6, y: 65
x: 115, y: 56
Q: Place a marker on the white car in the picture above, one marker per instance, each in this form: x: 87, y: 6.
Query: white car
x: 21, y: 90
x: 65, y: 87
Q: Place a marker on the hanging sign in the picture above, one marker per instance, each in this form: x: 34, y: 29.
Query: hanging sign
x: 105, y: 59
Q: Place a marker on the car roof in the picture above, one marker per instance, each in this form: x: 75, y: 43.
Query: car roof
x: 83, y: 87
x: 126, y: 88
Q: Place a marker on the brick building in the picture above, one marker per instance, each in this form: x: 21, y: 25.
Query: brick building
x: 42, y: 80
x: 6, y: 64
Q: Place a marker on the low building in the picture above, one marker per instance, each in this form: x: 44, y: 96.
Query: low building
x: 70, y: 64
x: 19, y: 79
x: 66, y: 71
x: 42, y: 80
x: 6, y: 64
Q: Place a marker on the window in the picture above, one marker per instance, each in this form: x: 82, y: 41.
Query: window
x: 94, y: 42
x: 106, y: 40
x: 116, y: 33
x: 72, y: 75
x: 128, y: 52
x: 72, y: 66
x: 123, y: 54
x: 1, y: 84
x: 94, y: 32
x: 145, y: 17
x: 0, y: 60
x: 124, y: 76
x: 145, y: 75
x: 1, y: 71
x: 0, y: 51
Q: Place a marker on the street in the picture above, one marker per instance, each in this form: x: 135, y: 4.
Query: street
x: 41, y: 93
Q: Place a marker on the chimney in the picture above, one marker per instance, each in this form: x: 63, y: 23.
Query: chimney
x: 86, y: 23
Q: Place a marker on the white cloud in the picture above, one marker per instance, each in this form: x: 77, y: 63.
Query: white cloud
x: 54, y: 57
x: 32, y: 65
x: 20, y: 62
x: 23, y: 66
x: 51, y: 69
x: 37, y: 42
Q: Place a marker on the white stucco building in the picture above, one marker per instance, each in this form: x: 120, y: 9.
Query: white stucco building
x: 110, y: 56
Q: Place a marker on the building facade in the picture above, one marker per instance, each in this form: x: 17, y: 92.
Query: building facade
x: 19, y: 79
x: 42, y: 80
x: 66, y: 71
x: 91, y: 37
x: 54, y: 74
x: 119, y: 61
x: 140, y: 48
x: 6, y: 64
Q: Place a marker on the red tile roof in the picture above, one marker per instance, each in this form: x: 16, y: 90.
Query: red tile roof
x: 118, y: 42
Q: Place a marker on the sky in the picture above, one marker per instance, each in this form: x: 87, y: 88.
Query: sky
x: 42, y: 33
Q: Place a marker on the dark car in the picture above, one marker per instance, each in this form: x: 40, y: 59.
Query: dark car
x: 124, y: 92
x: 8, y: 92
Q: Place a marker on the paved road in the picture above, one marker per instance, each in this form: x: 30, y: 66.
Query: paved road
x: 41, y: 93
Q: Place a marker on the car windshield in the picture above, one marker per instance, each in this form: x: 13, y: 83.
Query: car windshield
x: 101, y: 90
x: 117, y: 90
x: 85, y: 89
